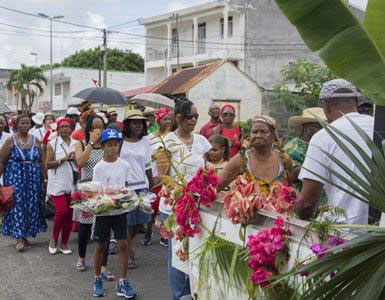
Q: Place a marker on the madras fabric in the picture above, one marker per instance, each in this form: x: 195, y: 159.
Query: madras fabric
x: 296, y: 149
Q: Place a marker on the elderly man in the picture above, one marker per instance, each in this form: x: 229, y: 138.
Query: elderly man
x: 215, y: 121
x: 339, y: 101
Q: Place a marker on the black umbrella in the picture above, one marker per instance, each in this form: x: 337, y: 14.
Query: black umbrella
x: 103, y: 95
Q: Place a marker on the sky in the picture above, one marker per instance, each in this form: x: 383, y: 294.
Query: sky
x: 16, y: 44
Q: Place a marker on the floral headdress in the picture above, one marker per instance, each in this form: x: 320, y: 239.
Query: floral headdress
x: 162, y: 113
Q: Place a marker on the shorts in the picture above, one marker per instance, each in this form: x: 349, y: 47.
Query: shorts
x: 101, y: 229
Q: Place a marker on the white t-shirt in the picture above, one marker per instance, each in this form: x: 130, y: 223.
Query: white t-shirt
x: 138, y: 156
x: 39, y: 133
x: 60, y: 180
x: 356, y: 210
x: 186, y: 159
x: 116, y: 173
x: 3, y: 138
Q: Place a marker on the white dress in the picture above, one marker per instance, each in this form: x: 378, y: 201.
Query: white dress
x: 3, y: 138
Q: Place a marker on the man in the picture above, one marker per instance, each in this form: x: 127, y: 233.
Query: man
x: 339, y: 101
x: 365, y: 108
x: 149, y: 113
x: 112, y: 117
x: 215, y: 121
x: 74, y: 114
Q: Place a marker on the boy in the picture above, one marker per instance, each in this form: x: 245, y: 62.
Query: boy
x: 111, y: 171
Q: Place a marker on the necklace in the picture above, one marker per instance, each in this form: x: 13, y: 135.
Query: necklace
x: 23, y: 143
x: 188, y: 143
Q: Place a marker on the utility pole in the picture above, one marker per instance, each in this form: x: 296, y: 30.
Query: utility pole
x: 177, y: 41
x: 50, y: 47
x: 105, y: 58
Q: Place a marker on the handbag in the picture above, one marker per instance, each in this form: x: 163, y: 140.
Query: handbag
x: 6, y: 198
x: 49, y: 208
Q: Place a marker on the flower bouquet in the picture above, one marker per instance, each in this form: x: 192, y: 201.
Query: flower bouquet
x: 107, y: 200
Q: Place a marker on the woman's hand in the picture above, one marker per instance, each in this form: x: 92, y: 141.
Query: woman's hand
x: 70, y: 156
x: 95, y: 135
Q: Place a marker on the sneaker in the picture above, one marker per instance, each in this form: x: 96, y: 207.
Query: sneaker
x: 146, y: 241
x: 164, y: 242
x: 142, y: 229
x: 112, y: 247
x: 125, y: 290
x: 98, y: 288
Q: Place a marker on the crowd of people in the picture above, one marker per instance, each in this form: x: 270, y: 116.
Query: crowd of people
x: 43, y: 157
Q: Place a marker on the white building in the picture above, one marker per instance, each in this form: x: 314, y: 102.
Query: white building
x: 254, y: 35
x: 214, y: 82
x: 68, y: 81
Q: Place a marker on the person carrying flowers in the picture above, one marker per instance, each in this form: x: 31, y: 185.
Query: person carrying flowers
x: 265, y: 162
x: 112, y: 171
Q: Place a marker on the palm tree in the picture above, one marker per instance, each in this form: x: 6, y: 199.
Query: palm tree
x: 27, y: 83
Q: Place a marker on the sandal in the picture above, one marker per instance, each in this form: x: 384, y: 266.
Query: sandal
x: 26, y: 243
x: 131, y: 264
x: 80, y: 266
x: 20, y: 246
x: 108, y: 276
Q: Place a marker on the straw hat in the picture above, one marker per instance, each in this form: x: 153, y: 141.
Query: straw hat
x: 134, y: 115
x: 111, y: 111
x: 308, y: 116
x: 149, y: 112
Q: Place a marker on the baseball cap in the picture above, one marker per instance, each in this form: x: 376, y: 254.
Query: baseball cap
x: 338, y: 88
x: 110, y: 134
x: 73, y: 111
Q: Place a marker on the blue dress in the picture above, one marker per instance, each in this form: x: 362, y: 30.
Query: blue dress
x: 23, y: 172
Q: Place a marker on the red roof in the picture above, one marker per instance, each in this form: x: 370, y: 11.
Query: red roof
x: 137, y: 91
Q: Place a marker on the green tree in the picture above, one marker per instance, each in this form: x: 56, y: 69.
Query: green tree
x: 28, y: 83
x: 308, y: 78
x: 117, y: 60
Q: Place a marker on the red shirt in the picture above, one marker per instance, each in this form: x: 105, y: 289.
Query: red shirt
x: 78, y: 135
x: 207, y: 129
x: 234, y: 137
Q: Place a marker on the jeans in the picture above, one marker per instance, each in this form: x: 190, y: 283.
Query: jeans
x: 180, y: 282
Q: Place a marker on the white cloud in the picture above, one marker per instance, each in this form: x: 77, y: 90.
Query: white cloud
x: 176, y: 5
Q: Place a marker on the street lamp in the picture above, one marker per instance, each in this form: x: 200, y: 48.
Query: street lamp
x: 34, y: 54
x: 50, y: 40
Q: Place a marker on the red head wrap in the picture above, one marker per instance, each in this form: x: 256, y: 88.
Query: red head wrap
x: 162, y: 113
x: 64, y: 121
x: 227, y: 106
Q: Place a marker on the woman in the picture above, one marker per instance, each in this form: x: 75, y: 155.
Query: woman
x: 88, y: 153
x: 229, y: 130
x: 262, y: 162
x: 187, y: 152
x: 39, y: 133
x: 219, y: 154
x: 4, y: 134
x: 163, y: 118
x: 60, y: 164
x: 20, y: 160
x: 136, y: 150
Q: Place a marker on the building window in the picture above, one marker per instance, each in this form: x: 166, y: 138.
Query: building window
x: 57, y: 89
x: 201, y: 38
x: 229, y: 27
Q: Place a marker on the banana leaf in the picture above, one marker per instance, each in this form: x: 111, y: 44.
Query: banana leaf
x: 374, y: 22
x: 342, y: 42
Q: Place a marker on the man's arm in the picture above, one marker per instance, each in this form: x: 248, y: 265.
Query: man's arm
x: 310, y: 197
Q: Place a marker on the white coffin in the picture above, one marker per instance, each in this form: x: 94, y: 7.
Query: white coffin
x: 228, y: 231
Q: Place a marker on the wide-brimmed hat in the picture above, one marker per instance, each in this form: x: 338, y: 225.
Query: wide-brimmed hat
x: 134, y: 115
x: 308, y: 116
x: 111, y: 111
x: 149, y: 112
x: 38, y: 118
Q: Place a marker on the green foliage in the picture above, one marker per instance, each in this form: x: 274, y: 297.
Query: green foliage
x: 28, y: 83
x: 245, y: 127
x: 350, y: 51
x: 308, y: 78
x: 117, y: 60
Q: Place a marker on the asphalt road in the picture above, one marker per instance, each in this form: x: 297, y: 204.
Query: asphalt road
x: 35, y: 274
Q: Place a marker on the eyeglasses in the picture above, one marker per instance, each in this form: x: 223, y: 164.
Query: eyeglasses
x: 189, y: 117
x: 229, y: 114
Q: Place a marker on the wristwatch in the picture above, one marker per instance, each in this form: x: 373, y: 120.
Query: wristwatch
x: 92, y: 143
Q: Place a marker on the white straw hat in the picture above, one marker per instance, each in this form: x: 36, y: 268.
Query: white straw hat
x: 308, y: 116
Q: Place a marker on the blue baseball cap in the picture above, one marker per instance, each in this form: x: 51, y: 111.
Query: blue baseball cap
x: 110, y: 134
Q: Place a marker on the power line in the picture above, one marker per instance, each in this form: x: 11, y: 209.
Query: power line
x: 54, y: 20
x: 126, y: 23
x: 42, y: 30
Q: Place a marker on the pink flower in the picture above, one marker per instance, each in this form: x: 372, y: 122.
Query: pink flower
x: 318, y: 249
x: 279, y: 221
x: 335, y: 241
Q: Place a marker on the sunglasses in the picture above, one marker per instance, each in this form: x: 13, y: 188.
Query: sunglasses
x: 189, y: 117
x: 229, y: 114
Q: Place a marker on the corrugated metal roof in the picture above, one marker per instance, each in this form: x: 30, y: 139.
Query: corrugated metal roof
x: 183, y: 80
x: 137, y: 91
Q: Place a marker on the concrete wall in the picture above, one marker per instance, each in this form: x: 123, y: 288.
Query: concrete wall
x: 155, y: 75
x: 226, y: 84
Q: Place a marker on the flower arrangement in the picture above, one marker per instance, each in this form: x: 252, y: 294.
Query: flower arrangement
x: 98, y: 199
x: 245, y: 196
x: 267, y: 252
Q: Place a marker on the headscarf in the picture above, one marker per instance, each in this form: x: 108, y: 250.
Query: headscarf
x: 162, y: 113
x: 86, y: 113
x: 272, y: 124
x: 63, y: 121
x: 227, y: 106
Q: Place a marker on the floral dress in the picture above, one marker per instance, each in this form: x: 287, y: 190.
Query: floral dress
x: 23, y: 172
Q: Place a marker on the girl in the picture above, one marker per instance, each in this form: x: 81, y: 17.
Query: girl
x: 219, y: 154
